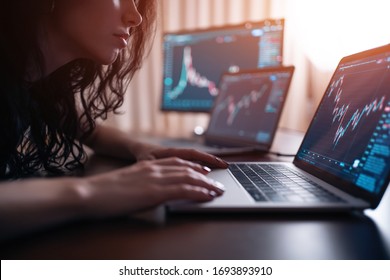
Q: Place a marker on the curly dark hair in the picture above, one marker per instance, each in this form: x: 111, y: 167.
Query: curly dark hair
x: 40, y: 122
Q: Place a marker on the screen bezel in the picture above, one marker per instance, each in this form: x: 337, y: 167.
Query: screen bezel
x: 246, y: 25
x: 334, y: 180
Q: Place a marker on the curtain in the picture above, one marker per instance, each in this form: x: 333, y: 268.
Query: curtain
x: 314, y: 30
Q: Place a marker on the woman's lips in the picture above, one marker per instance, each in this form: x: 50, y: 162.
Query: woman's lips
x: 122, y: 39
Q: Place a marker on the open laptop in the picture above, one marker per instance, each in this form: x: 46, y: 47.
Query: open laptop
x: 246, y: 112
x: 343, y: 162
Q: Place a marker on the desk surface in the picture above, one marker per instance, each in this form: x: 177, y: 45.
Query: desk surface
x: 218, y: 236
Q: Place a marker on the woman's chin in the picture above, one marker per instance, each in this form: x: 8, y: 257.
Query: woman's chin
x: 109, y: 59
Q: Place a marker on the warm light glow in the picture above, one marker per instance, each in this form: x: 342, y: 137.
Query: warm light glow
x: 329, y: 30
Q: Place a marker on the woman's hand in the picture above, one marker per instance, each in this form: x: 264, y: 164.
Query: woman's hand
x: 150, y: 152
x: 32, y: 204
x: 147, y: 184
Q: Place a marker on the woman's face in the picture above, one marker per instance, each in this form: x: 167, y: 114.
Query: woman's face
x: 93, y: 29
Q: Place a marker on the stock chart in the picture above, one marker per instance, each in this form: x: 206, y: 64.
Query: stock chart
x: 350, y: 133
x: 195, y: 60
x: 249, y: 105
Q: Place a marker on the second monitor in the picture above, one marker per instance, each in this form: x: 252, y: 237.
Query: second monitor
x: 194, y: 60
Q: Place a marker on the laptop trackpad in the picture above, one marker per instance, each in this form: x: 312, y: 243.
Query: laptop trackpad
x: 234, y: 196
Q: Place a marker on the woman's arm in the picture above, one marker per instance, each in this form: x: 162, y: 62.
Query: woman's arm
x: 113, y: 142
x: 167, y: 174
x: 34, y: 204
x: 109, y: 141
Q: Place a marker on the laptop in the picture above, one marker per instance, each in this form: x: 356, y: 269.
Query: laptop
x: 245, y: 114
x: 343, y: 162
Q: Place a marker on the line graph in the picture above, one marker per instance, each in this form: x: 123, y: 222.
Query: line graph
x: 340, y: 111
x: 235, y: 107
x: 349, y: 133
x: 189, y: 75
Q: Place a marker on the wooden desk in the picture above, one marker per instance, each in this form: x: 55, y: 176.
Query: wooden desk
x: 217, y: 236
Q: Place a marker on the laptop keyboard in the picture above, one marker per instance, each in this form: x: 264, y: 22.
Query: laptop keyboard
x: 277, y: 182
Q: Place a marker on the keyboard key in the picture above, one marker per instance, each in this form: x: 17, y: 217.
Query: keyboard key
x: 278, y: 183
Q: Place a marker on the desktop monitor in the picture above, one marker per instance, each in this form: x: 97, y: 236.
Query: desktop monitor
x: 195, y: 59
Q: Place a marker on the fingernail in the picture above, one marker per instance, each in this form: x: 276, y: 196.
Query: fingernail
x: 220, y: 186
x: 213, y: 193
x: 207, y: 169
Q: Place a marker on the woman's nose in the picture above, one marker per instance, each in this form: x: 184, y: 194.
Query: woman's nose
x: 131, y: 16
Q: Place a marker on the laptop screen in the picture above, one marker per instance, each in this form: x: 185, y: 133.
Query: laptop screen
x: 349, y: 136
x: 249, y: 105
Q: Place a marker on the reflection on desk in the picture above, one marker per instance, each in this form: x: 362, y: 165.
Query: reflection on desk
x: 209, y: 237
x: 217, y: 236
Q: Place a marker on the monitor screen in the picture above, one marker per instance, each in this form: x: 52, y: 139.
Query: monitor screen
x: 195, y: 60
x: 249, y: 105
x: 350, y: 133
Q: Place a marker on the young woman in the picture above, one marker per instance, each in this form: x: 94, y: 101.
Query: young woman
x: 64, y: 64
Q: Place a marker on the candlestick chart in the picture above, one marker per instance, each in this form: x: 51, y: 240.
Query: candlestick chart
x: 194, y: 60
x: 190, y: 76
x: 249, y: 106
x: 348, y: 108
x: 233, y: 107
x: 350, y: 132
x: 191, y: 81
x: 346, y: 117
